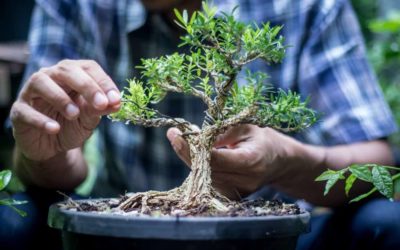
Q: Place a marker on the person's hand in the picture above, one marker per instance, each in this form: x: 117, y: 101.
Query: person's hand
x: 58, y: 107
x: 243, y: 159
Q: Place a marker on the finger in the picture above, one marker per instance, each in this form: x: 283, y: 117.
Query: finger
x: 233, y: 136
x: 23, y: 114
x: 42, y: 86
x: 72, y: 75
x: 103, y: 80
x: 180, y: 146
x: 172, y: 133
x: 89, y: 111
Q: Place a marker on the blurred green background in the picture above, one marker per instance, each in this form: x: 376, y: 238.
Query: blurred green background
x: 379, y: 20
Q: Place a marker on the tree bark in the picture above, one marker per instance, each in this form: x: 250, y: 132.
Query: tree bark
x: 199, y: 180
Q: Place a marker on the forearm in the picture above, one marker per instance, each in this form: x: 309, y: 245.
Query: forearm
x: 307, y: 162
x: 64, y: 171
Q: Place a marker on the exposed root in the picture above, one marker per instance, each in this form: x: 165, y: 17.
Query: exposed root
x: 195, y: 196
x: 174, y: 202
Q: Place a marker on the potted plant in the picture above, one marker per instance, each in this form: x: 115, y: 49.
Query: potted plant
x: 195, y: 215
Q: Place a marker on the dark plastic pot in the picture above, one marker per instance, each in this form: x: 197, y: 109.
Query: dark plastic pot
x: 84, y: 230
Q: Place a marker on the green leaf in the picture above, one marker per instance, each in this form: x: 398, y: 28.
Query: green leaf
x: 19, y: 211
x: 362, y: 172
x: 179, y: 16
x: 327, y: 175
x: 5, y: 177
x: 11, y: 203
x: 385, y: 25
x: 382, y: 180
x: 363, y: 196
x: 331, y: 177
x: 192, y: 18
x: 329, y: 184
x: 349, y: 183
x: 185, y: 17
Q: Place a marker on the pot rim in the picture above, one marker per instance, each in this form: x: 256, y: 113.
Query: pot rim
x: 178, y: 228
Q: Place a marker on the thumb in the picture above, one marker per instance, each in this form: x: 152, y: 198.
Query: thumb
x: 172, y: 133
x: 179, y: 145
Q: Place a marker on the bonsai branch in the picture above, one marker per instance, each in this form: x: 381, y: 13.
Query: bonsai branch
x: 244, y: 117
x: 162, y: 121
x: 171, y: 86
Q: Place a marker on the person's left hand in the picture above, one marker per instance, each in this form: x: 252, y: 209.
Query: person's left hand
x: 243, y: 159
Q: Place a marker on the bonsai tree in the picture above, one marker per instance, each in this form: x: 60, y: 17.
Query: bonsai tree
x: 5, y: 178
x: 219, y: 48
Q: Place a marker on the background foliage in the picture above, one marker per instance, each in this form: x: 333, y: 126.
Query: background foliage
x: 380, y: 23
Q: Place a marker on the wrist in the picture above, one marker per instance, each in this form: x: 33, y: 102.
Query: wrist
x: 65, y: 170
x: 300, y: 163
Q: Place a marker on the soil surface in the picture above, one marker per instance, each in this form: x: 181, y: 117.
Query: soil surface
x: 246, y: 208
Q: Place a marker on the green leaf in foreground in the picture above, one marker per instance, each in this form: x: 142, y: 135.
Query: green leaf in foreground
x: 331, y: 177
x: 5, y: 177
x: 362, y: 172
x: 12, y: 203
x: 363, y: 196
x: 382, y: 180
x: 349, y: 183
x: 378, y: 175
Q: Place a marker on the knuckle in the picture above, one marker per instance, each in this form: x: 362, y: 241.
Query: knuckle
x: 64, y: 66
x: 89, y: 64
x: 104, y: 81
x: 66, y: 62
x: 44, y: 70
x: 15, y: 112
x: 35, y: 78
x: 87, y: 86
x: 60, y: 99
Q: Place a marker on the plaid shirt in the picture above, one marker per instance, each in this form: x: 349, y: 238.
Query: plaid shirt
x: 326, y: 61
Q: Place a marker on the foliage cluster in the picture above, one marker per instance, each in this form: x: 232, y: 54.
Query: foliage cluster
x: 379, y: 176
x: 219, y: 48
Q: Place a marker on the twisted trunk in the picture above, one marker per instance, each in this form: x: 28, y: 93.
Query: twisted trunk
x: 198, y: 183
x: 195, y: 194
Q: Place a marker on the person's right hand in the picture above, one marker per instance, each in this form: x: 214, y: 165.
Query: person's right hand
x: 58, y: 107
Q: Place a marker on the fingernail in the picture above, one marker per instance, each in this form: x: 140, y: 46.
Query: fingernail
x: 51, y: 126
x: 113, y: 96
x: 72, y: 110
x: 100, y: 101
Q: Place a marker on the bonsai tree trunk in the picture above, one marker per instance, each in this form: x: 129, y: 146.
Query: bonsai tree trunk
x: 199, y: 180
